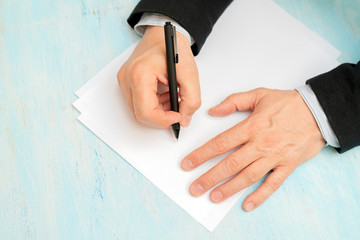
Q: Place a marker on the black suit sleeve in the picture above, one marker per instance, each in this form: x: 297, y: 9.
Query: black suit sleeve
x: 338, y: 92
x: 196, y: 16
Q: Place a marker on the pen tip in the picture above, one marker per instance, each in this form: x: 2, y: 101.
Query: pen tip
x: 176, y: 133
x: 176, y: 130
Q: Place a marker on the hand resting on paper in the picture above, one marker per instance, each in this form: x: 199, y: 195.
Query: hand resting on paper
x: 279, y: 135
x: 146, y: 67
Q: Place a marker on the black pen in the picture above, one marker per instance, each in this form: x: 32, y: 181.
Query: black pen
x: 172, y: 57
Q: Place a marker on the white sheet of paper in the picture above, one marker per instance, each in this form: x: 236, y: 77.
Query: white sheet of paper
x: 254, y: 44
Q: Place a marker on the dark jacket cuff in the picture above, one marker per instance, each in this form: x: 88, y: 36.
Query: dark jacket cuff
x: 338, y: 92
x: 196, y: 16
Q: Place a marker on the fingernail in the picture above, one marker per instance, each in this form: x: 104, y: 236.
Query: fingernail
x: 197, y: 189
x: 186, y: 121
x: 216, y: 196
x: 250, y: 206
x: 187, y: 165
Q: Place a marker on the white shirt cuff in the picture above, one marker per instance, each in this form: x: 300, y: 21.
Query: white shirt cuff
x: 155, y: 19
x: 313, y: 103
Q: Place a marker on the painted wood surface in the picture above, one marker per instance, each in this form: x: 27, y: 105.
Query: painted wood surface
x: 59, y: 181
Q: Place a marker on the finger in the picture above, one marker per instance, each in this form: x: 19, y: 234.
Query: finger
x: 222, y: 143
x: 164, y: 119
x: 164, y: 97
x: 244, y: 179
x: 128, y: 97
x: 146, y: 107
x: 158, y: 117
x: 228, y: 167
x: 162, y: 78
x: 189, y: 91
x: 235, y: 102
x: 166, y: 106
x: 125, y: 89
x: 186, y: 121
x: 270, y: 185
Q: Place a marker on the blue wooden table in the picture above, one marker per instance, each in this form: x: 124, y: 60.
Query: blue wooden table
x: 59, y: 181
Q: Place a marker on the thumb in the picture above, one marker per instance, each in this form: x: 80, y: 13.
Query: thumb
x: 165, y: 119
x: 236, y: 102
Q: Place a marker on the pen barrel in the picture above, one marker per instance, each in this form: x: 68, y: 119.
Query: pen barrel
x: 171, y: 69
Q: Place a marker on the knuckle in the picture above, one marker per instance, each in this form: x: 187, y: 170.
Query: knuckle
x: 233, y: 164
x: 232, y: 97
x: 121, y: 75
x: 220, y: 144
x: 254, y: 175
x: 137, y: 69
x: 260, y: 90
x: 141, y: 116
x: 194, y: 103
x: 275, y: 183
x: 197, y: 103
x: 208, y: 180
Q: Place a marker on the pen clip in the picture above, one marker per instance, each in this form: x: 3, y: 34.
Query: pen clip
x: 175, y: 44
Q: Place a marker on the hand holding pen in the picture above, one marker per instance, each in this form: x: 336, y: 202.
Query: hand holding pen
x: 146, y: 67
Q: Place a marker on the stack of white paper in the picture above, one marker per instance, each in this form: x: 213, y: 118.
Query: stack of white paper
x: 254, y: 44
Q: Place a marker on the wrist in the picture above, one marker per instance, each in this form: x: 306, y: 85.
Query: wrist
x: 156, y: 19
x: 308, y: 115
x: 313, y: 104
x: 156, y: 34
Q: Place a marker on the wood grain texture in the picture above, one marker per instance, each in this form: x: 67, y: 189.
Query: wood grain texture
x: 59, y: 181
